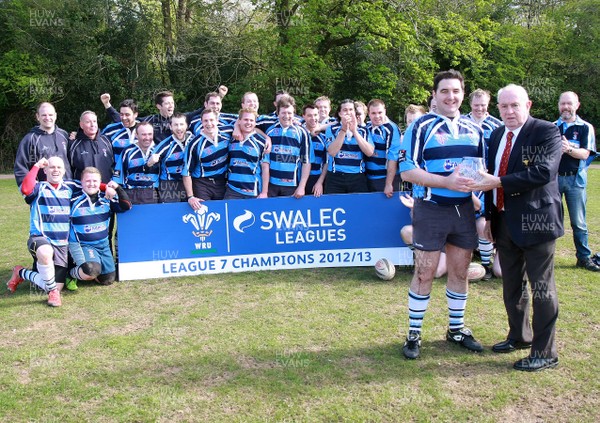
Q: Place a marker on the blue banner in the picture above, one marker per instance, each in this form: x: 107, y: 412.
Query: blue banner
x: 168, y: 240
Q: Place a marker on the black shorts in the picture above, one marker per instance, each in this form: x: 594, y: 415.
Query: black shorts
x: 234, y: 195
x: 346, y: 183
x: 435, y: 225
x: 378, y: 185
x: 310, y: 184
x: 280, y: 191
x: 209, y: 188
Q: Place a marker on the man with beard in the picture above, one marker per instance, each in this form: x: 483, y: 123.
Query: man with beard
x: 578, y: 142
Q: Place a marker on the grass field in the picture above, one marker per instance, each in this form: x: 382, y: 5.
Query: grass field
x: 293, y: 346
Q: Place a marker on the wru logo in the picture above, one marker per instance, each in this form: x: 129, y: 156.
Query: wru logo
x: 201, y: 220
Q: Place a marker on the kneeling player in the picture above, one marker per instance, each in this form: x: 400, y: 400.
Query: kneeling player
x: 49, y: 229
x: 88, y: 237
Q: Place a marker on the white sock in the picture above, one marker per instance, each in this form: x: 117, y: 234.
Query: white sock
x: 47, y: 274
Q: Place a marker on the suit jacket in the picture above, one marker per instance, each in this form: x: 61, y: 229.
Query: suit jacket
x: 532, y: 202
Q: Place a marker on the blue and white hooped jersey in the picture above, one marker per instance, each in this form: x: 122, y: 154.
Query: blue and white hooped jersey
x: 580, y: 134
x: 437, y: 145
x: 205, y: 158
x: 131, y: 171
x: 264, y: 122
x: 172, y: 157
x: 290, y: 149
x: 120, y: 137
x: 90, y: 221
x: 319, y: 157
x: 50, y: 211
x: 386, y: 139
x: 224, y: 121
x: 487, y: 125
x: 245, y: 158
x: 350, y: 158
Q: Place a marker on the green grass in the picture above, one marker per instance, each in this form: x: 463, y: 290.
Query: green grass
x: 306, y: 345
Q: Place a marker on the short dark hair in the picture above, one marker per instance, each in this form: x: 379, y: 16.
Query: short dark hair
x: 179, y: 115
x: 210, y: 95
x: 159, y: 98
x: 308, y: 106
x: 375, y: 102
x: 449, y: 74
x: 129, y: 102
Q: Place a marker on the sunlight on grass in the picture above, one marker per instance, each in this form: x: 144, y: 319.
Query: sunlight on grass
x: 303, y: 345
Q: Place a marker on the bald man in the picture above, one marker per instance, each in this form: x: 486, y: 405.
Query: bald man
x: 42, y: 141
x: 578, y: 142
x: 523, y: 212
x: 50, y: 201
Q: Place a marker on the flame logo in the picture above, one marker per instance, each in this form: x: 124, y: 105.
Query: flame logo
x: 201, y: 219
x: 244, y: 221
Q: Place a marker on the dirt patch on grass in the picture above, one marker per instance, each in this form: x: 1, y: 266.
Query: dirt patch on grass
x: 547, y: 405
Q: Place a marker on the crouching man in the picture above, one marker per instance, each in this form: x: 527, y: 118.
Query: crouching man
x: 88, y: 236
x: 49, y: 228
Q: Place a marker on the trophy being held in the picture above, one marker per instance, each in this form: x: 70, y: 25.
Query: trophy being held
x: 470, y: 167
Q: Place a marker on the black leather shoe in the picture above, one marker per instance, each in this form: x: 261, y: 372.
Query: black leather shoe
x: 412, y: 346
x: 588, y: 264
x: 510, y: 345
x: 529, y: 364
x: 464, y: 338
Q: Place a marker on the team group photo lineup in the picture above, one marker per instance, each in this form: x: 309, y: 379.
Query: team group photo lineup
x: 473, y: 182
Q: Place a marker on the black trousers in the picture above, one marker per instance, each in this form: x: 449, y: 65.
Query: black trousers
x: 345, y: 183
x: 533, y: 266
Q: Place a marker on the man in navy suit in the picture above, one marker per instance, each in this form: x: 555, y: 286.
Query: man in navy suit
x: 524, y: 216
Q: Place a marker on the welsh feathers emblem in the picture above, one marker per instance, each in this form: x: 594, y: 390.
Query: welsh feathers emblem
x: 201, y: 219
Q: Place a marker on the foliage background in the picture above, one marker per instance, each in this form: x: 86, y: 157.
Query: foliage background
x: 70, y: 52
